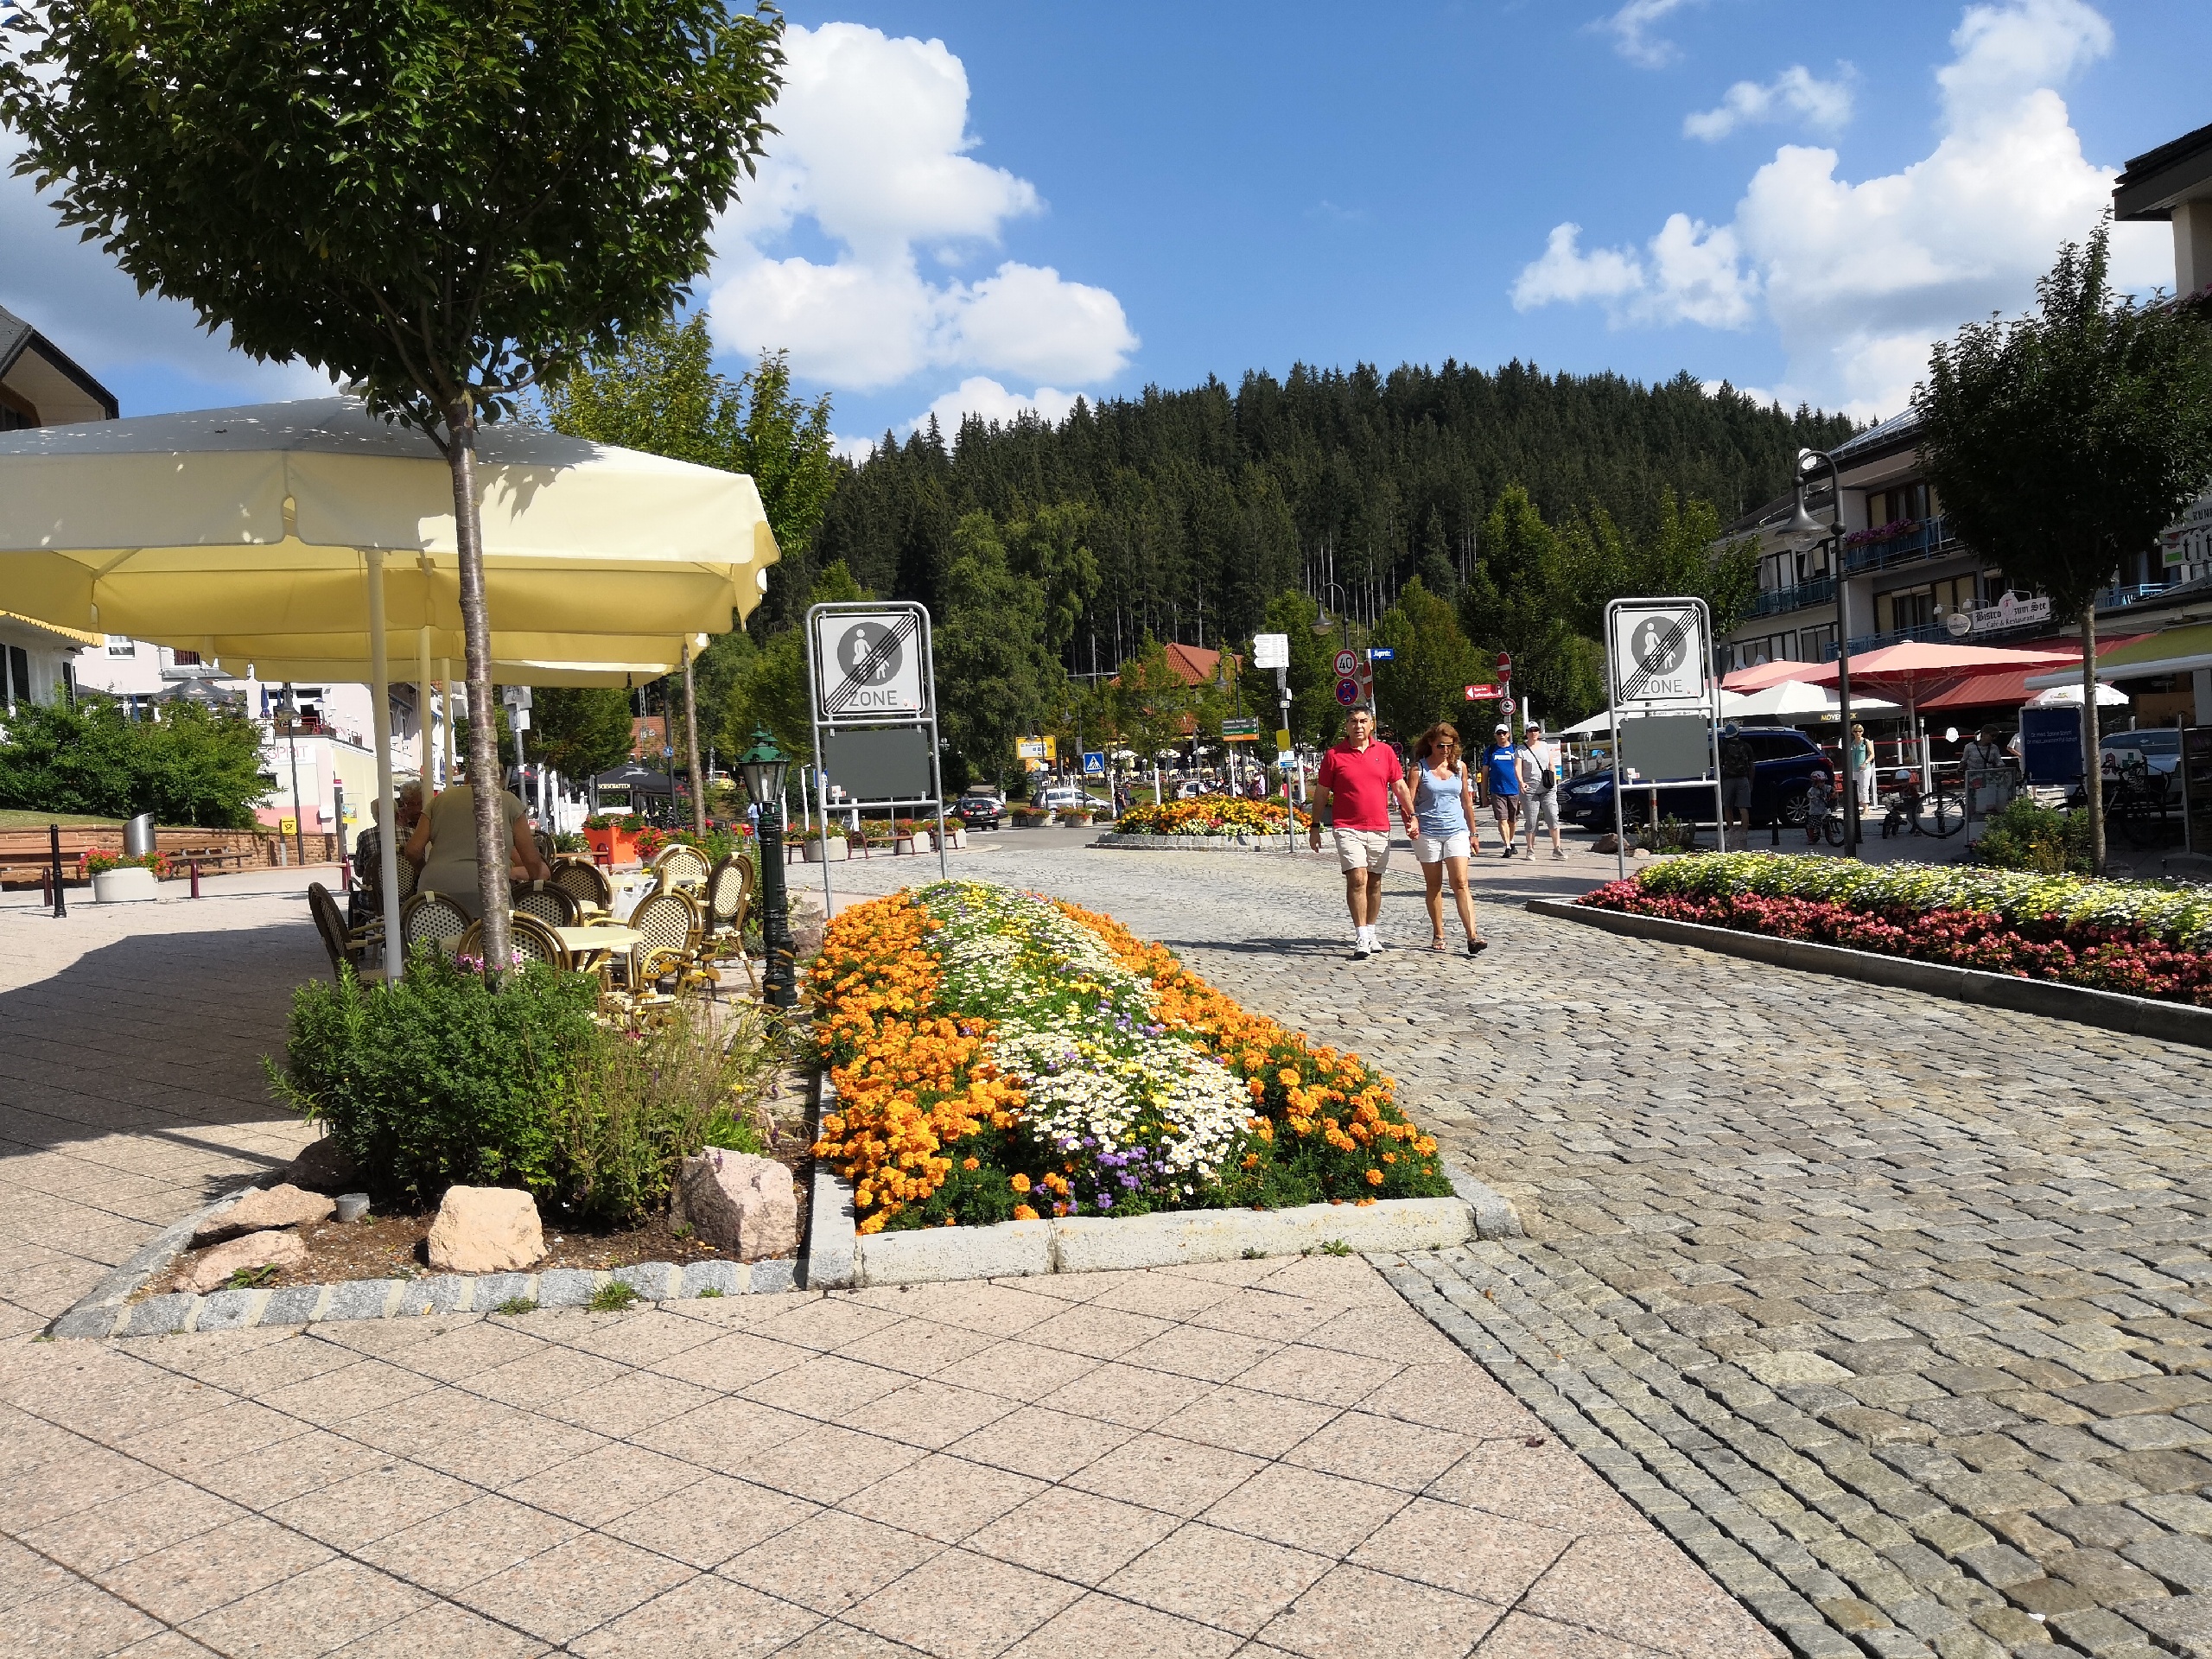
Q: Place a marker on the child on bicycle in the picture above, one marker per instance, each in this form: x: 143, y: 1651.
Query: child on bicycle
x: 1903, y: 803
x: 1819, y: 797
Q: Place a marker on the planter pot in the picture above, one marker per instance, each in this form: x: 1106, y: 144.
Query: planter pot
x: 612, y: 845
x: 1075, y: 820
x: 840, y: 850
x: 123, y: 887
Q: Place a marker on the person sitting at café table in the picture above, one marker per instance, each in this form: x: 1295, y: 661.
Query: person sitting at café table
x: 443, y: 846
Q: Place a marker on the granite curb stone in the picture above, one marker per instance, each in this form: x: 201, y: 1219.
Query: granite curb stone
x: 2138, y: 1016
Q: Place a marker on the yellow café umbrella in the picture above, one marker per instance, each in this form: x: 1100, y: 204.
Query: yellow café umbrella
x: 279, y: 520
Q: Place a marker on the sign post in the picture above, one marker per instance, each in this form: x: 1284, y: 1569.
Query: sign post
x: 1657, y: 658
x: 874, y: 680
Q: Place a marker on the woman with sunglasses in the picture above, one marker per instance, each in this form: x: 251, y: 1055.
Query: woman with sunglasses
x: 1443, y: 812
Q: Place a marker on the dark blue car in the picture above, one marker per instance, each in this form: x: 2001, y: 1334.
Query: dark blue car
x: 1788, y: 761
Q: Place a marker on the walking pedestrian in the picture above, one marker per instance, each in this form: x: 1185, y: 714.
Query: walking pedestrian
x: 1862, y: 767
x: 1739, y: 763
x: 1444, y: 810
x: 1538, y: 766
x: 1357, y: 780
x: 1502, y: 775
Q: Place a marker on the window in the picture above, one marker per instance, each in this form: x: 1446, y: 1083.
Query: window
x: 19, y: 678
x: 1816, y: 644
x: 123, y: 647
x: 1774, y: 745
x: 185, y: 659
x: 1900, y: 501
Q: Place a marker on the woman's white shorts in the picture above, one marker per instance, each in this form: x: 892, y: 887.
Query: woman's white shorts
x: 1429, y: 849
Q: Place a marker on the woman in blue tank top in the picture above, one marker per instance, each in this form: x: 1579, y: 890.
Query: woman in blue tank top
x: 1444, y: 813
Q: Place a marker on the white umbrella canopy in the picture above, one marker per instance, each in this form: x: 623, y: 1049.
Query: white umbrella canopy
x: 2070, y: 697
x: 517, y: 658
x: 257, y: 520
x: 1794, y: 700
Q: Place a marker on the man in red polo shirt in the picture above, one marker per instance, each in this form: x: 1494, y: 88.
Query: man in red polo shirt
x: 1356, y: 784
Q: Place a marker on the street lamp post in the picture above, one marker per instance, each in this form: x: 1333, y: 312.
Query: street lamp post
x: 1806, y: 532
x: 763, y: 767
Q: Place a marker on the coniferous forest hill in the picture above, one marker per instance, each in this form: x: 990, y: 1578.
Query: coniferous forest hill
x: 1453, y: 512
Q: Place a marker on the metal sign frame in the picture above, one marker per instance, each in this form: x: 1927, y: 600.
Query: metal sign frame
x: 914, y: 625
x: 1615, y: 680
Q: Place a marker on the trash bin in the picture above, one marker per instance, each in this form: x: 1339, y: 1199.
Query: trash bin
x: 138, y: 836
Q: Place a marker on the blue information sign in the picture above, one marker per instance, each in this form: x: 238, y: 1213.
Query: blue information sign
x: 1382, y: 653
x: 1094, y: 763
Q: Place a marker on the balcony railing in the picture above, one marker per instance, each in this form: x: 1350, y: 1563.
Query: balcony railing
x: 1819, y: 591
x: 1862, y: 643
x: 2128, y: 593
x: 1927, y: 539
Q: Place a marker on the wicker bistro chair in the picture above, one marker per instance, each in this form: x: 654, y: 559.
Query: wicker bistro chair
x: 729, y: 895
x: 554, y: 907
x: 670, y: 920
x: 348, y: 948
x: 584, y: 881
x: 681, y: 867
x: 428, y: 918
x: 544, y: 840
x: 532, y: 940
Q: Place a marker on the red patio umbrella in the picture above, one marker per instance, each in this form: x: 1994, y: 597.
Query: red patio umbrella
x: 1762, y: 675
x: 1912, y: 672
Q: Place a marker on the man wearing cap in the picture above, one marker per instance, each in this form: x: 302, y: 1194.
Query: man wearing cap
x: 1356, y: 781
x: 1502, y: 774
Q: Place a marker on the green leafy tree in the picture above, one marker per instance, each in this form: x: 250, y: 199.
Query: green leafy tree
x: 192, y: 766
x: 1050, y: 547
x: 997, y: 675
x: 1426, y: 681
x: 2063, y: 442
x: 1524, y: 599
x: 445, y: 205
x: 581, y: 730
x: 770, y: 688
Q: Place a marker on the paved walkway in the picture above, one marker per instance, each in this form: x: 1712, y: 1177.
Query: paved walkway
x: 1261, y: 1458
x: 1888, y: 1308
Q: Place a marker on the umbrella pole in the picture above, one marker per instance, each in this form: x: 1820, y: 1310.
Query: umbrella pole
x: 422, y: 690
x: 691, y: 750
x: 395, y: 954
x: 445, y: 673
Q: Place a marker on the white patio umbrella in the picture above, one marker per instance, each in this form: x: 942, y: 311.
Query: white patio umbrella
x: 1794, y: 700
x: 276, y: 520
x: 2070, y: 697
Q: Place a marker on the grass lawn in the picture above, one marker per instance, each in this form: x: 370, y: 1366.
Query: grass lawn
x: 11, y: 818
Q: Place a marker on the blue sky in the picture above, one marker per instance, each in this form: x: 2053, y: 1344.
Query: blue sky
x: 987, y: 205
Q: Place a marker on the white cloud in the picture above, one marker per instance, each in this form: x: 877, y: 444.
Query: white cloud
x: 1690, y: 272
x: 73, y: 294
x: 1858, y: 279
x: 1823, y: 105
x: 1630, y: 28
x: 981, y: 395
x: 872, y: 151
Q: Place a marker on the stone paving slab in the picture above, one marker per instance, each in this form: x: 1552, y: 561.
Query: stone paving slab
x: 1891, y: 1311
x: 1266, y: 1456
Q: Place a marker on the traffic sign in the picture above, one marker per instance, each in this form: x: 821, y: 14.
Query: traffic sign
x: 1239, y: 726
x: 1658, y: 653
x: 1347, y: 662
x: 1282, y: 741
x: 1482, y: 693
x: 1504, y: 668
x: 1094, y: 763
x: 1347, y: 692
x: 868, y: 664
x: 1271, y: 650
x: 1382, y: 653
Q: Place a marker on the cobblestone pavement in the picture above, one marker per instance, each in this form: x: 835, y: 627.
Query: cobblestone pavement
x: 1263, y: 1457
x: 1885, y: 1307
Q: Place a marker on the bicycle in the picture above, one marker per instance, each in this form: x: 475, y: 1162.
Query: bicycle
x: 2138, y: 803
x: 1941, y: 812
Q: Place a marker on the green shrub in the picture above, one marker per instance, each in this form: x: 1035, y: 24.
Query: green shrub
x: 436, y: 1080
x: 2022, y: 836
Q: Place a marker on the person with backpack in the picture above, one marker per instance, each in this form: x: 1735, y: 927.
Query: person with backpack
x: 1501, y: 778
x: 1538, y: 769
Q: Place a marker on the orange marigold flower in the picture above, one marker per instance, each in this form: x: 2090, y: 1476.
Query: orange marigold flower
x: 1374, y: 1177
x: 1020, y: 1183
x: 971, y: 1163
x: 1023, y: 1212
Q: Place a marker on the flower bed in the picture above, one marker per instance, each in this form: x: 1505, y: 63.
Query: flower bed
x: 999, y: 1056
x: 1208, y: 814
x: 2141, y: 938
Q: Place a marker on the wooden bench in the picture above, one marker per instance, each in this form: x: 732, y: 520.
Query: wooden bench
x: 222, y: 858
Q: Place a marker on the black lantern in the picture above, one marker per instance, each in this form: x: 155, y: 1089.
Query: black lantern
x: 763, y: 767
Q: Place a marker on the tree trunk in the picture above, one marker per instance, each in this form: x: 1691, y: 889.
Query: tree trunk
x: 487, y: 785
x: 2092, y: 772
x: 691, y: 750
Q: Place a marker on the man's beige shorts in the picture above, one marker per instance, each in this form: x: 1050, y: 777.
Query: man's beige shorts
x: 1363, y: 849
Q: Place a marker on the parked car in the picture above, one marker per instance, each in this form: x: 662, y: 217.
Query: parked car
x: 1061, y: 798
x: 980, y: 807
x: 2159, y: 745
x: 1788, y: 762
